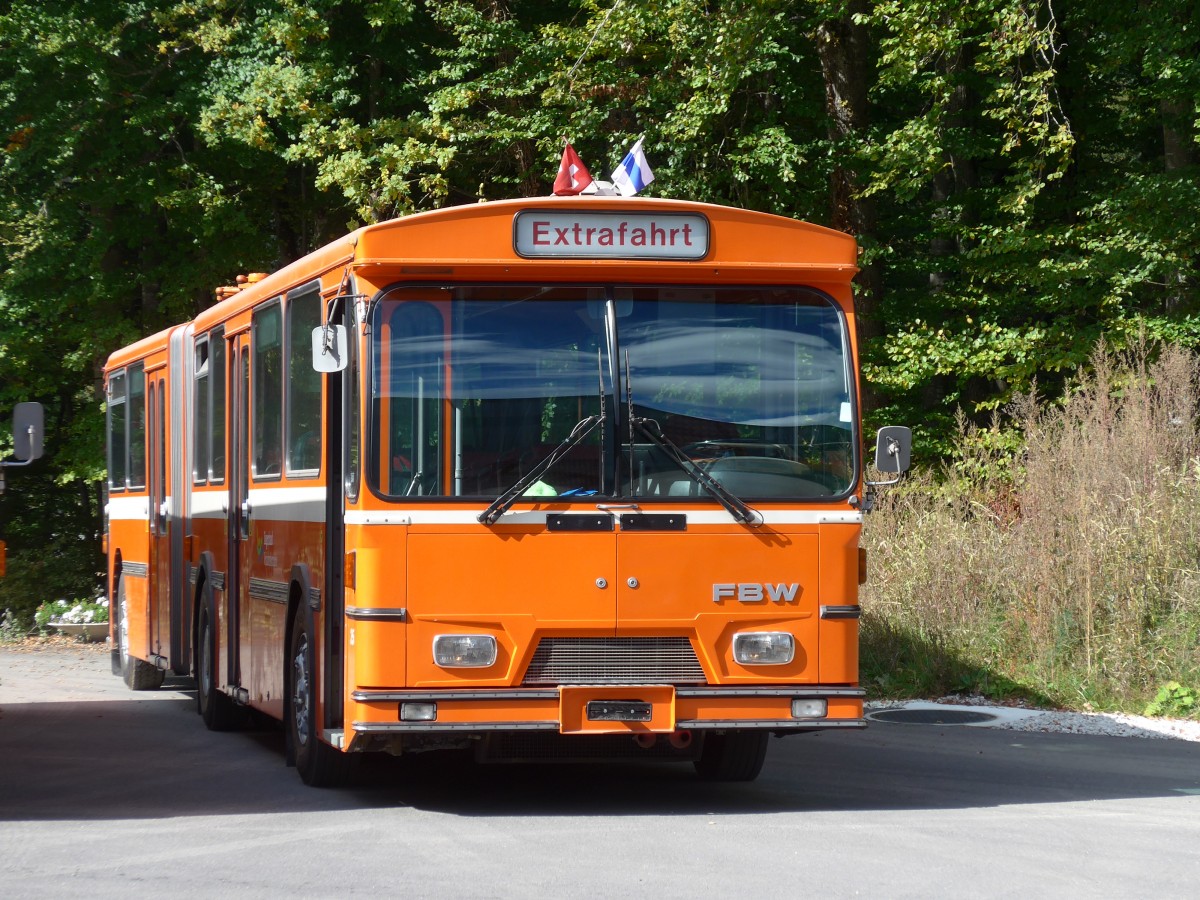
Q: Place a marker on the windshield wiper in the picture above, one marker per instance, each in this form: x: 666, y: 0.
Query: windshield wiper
x: 501, y: 504
x: 734, y: 504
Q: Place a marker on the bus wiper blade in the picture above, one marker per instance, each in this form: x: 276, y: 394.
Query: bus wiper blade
x: 732, y: 503
x: 501, y: 504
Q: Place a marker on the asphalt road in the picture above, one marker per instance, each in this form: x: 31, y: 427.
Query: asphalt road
x: 105, y: 793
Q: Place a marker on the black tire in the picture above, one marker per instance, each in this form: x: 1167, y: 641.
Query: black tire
x: 734, y: 756
x: 319, y: 764
x: 216, y: 708
x: 138, y: 674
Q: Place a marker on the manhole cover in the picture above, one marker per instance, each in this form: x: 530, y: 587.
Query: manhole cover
x: 932, y: 716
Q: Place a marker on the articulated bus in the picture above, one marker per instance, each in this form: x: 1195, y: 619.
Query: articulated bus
x: 575, y: 477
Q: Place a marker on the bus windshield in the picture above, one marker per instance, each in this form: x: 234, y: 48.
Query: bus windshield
x: 474, y: 386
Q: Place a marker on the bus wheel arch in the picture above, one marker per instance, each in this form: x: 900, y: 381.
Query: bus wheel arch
x: 204, y: 570
x: 297, y: 588
x: 114, y: 652
x: 318, y: 763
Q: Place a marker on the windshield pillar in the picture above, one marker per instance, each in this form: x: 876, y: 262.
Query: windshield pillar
x: 614, y: 437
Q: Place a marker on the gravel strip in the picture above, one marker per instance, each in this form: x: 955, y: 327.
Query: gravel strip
x: 1116, y: 724
x: 1020, y: 718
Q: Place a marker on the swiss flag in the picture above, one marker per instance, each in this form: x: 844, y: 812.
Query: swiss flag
x: 573, y: 175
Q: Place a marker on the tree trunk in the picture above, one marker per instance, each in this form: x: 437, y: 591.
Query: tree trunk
x: 1177, y: 156
x: 844, y: 50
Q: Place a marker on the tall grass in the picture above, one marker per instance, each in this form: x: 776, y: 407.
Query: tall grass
x: 1058, y: 556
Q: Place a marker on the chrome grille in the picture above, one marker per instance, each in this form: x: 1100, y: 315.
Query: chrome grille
x: 620, y: 660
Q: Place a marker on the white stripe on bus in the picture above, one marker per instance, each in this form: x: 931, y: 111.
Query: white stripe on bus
x: 210, y: 504
x: 128, y: 509
x: 288, y: 504
x: 694, y: 517
x: 308, y: 505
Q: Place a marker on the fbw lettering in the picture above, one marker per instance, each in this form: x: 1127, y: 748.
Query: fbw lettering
x: 750, y: 592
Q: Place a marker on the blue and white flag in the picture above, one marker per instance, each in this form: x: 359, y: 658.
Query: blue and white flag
x: 633, y: 174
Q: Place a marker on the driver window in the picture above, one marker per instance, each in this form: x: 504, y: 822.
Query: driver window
x: 408, y: 414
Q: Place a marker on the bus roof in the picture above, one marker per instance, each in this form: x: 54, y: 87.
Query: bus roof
x: 480, y: 242
x: 485, y: 232
x: 147, y: 346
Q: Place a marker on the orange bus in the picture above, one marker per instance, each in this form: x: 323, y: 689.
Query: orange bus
x: 556, y: 477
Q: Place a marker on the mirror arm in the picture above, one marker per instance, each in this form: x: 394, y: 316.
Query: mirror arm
x: 30, y: 431
x: 879, y: 484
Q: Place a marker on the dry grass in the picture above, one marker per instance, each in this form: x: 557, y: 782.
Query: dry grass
x: 1068, y: 569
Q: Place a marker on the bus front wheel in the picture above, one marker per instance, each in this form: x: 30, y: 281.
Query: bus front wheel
x: 319, y: 764
x: 733, y: 756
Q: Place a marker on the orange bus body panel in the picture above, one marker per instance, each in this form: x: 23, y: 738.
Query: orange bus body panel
x: 418, y: 569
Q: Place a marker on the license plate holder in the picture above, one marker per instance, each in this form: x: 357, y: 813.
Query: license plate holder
x: 619, y: 711
x: 616, y: 709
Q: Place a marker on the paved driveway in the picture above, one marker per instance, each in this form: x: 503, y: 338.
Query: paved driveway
x: 106, y: 793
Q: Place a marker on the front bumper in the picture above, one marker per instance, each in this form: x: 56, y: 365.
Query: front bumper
x: 564, y: 710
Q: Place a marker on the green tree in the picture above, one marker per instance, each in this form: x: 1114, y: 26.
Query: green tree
x: 1031, y: 199
x: 1022, y: 174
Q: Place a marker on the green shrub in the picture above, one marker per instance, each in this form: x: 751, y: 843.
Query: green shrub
x: 68, y: 567
x: 1174, y: 700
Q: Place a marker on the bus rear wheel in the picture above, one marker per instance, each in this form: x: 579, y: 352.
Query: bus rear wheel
x: 217, y: 709
x: 137, y: 674
x: 734, y: 756
x: 319, y: 764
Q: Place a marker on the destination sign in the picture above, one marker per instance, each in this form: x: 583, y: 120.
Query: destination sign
x: 610, y: 235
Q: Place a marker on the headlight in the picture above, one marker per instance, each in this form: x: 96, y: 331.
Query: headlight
x: 461, y: 651
x: 764, y: 648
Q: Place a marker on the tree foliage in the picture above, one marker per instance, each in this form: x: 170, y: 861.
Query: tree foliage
x: 1023, y: 174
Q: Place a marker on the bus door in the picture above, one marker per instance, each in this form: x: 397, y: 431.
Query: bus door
x: 159, y: 581
x: 240, y: 554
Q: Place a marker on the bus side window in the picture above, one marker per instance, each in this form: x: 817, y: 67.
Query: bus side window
x: 303, y: 385
x: 216, y: 469
x: 267, y: 379
x: 118, y: 412
x: 201, y: 432
x: 136, y: 418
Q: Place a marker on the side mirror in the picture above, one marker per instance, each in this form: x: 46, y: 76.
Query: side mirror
x: 329, y: 348
x: 893, y: 449
x: 28, y: 429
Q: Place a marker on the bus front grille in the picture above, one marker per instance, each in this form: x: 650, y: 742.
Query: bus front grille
x: 615, y: 660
